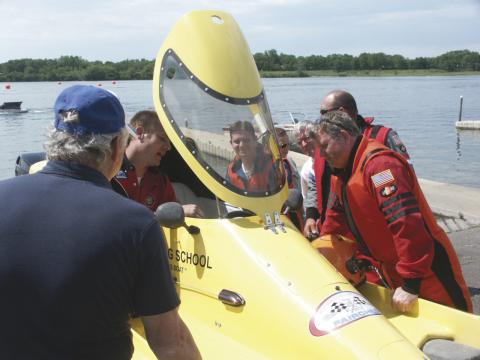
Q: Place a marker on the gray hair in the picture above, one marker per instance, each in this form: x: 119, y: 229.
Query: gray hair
x: 335, y: 121
x: 303, y: 127
x: 91, y: 150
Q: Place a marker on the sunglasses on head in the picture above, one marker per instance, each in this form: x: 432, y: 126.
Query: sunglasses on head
x: 326, y: 111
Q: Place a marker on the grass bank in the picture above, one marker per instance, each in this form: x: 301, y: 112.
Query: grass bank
x: 310, y: 73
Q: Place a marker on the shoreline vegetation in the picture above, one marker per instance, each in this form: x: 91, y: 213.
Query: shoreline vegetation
x: 270, y: 64
x: 364, y: 73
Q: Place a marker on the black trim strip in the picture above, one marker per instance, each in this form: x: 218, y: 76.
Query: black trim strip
x: 403, y: 214
x: 351, y: 223
x: 369, y: 155
x: 375, y: 130
x: 403, y: 204
x: 390, y: 201
x: 443, y: 270
x: 205, y: 87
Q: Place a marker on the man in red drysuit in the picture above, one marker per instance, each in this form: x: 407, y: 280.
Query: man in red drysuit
x: 386, y: 212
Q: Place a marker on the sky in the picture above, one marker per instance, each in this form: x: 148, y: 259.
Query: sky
x: 114, y: 30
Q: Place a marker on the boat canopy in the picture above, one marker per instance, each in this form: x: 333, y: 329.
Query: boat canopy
x: 208, y: 122
x: 210, y: 100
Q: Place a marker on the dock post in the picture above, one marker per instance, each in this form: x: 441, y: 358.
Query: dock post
x: 461, y: 106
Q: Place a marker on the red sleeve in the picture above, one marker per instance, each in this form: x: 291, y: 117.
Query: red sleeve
x: 391, y: 183
x: 335, y: 219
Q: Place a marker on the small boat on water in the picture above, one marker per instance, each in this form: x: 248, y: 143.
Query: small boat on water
x: 294, y: 118
x: 12, y: 107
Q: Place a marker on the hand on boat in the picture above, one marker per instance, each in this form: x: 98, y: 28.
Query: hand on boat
x: 192, y: 210
x: 310, y: 230
x: 403, y: 301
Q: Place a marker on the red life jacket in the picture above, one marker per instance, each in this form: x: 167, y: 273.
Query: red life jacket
x: 319, y: 164
x: 443, y: 281
x: 377, y: 132
x: 259, y: 181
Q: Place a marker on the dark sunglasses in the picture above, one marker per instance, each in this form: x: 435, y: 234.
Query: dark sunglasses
x: 326, y: 111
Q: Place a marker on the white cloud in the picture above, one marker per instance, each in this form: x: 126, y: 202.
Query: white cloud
x: 120, y: 29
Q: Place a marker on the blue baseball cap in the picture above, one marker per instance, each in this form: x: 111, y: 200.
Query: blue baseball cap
x: 86, y: 109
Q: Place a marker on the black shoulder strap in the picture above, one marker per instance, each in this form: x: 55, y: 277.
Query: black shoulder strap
x: 351, y: 223
x: 375, y: 130
x: 369, y: 155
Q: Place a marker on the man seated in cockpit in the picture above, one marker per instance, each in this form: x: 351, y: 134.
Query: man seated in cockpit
x: 140, y: 176
x: 252, y: 168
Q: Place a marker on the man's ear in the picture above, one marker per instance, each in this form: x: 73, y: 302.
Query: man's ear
x: 140, y: 131
x: 118, y: 148
x: 110, y: 168
x: 345, y: 135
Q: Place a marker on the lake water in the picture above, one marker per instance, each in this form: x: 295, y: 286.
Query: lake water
x: 423, y: 110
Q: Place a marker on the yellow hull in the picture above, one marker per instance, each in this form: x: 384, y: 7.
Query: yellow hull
x: 250, y: 291
x: 283, y: 280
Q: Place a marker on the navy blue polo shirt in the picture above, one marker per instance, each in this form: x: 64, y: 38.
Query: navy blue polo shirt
x: 77, y: 260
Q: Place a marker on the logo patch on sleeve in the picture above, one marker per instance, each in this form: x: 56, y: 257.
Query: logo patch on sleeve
x: 382, y: 178
x: 388, y: 190
x: 149, y: 200
x: 121, y: 175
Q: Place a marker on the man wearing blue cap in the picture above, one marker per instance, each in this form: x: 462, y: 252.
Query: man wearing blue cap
x: 77, y: 260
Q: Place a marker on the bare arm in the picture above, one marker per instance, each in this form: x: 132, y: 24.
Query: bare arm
x: 310, y: 229
x: 193, y: 210
x: 169, y: 337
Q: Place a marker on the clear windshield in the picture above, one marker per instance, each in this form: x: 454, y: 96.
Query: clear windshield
x: 232, y: 138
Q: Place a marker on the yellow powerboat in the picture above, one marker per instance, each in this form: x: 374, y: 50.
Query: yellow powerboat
x: 252, y: 287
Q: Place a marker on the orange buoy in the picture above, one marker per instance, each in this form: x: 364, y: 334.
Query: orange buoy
x: 8, y: 86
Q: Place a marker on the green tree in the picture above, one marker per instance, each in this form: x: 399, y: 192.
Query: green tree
x: 76, y: 68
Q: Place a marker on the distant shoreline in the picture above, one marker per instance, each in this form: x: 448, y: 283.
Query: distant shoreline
x: 364, y: 73
x: 313, y: 73
x: 270, y: 64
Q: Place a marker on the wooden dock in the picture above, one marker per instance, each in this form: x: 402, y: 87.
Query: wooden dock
x: 466, y: 124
